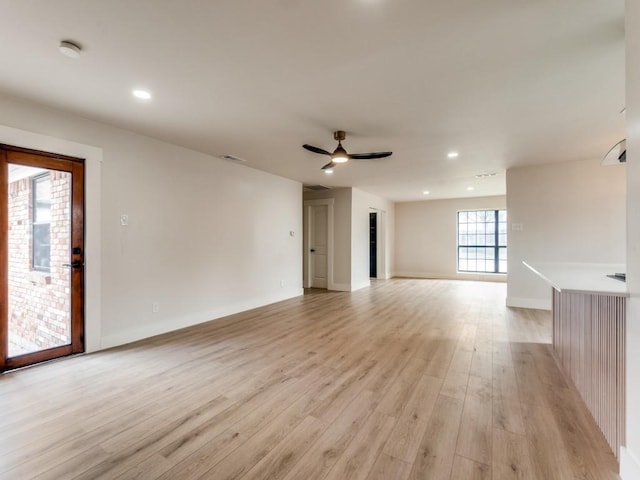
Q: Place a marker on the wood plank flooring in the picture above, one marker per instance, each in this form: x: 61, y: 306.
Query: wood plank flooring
x: 406, y: 380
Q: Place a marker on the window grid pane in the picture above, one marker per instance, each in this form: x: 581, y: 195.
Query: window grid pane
x: 482, y: 241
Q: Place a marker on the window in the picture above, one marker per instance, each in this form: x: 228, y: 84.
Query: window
x: 41, y: 255
x: 482, y: 241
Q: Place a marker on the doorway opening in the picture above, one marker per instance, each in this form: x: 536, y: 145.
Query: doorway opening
x: 373, y: 245
x: 41, y: 256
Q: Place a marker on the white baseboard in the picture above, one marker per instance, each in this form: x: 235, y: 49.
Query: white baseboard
x: 535, y: 303
x: 347, y: 287
x: 340, y: 287
x: 629, y: 465
x: 171, y: 324
x: 365, y: 284
x: 477, y: 277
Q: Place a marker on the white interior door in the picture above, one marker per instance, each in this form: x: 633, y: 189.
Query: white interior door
x: 318, y: 245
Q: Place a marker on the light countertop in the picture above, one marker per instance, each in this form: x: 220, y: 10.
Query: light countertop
x: 588, y: 278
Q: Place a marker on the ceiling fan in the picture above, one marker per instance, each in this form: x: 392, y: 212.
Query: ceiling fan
x: 340, y: 155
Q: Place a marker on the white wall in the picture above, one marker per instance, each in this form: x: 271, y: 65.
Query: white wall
x: 630, y: 456
x: 570, y: 212
x: 426, y: 237
x: 206, y: 238
x: 362, y: 204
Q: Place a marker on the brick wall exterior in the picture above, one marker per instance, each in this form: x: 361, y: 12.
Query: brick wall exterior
x: 39, y: 302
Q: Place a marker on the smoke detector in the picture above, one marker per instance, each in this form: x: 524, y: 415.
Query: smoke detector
x: 70, y: 49
x: 617, y: 154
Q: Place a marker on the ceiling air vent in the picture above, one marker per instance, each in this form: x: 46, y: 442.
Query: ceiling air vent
x: 316, y: 187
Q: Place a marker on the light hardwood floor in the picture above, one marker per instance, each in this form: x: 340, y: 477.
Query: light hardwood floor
x: 409, y: 379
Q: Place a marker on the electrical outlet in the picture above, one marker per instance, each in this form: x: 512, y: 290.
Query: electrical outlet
x: 282, y: 283
x: 124, y: 219
x: 155, y: 307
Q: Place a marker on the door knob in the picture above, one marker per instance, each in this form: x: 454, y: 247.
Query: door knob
x: 76, y: 264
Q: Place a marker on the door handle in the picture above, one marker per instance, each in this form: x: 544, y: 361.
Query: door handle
x: 76, y: 264
x: 312, y: 250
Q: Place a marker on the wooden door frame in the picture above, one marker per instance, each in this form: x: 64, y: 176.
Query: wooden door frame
x: 307, y: 241
x: 75, y: 166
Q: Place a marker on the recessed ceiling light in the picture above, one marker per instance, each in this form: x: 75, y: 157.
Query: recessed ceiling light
x: 470, y: 188
x: 486, y: 175
x: 452, y: 155
x: 328, y: 171
x: 70, y: 49
x: 142, y: 94
x: 426, y: 192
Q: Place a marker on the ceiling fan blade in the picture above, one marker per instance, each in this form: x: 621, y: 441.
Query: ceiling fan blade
x: 369, y: 156
x: 313, y: 149
x: 329, y: 165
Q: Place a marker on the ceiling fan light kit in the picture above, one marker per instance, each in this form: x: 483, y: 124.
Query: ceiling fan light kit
x: 340, y: 155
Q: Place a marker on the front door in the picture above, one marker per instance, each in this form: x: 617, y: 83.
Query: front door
x: 319, y: 245
x: 41, y: 256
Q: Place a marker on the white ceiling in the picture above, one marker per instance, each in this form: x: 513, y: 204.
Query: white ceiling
x: 504, y: 82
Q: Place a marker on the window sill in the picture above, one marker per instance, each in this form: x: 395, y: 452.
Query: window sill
x: 39, y: 278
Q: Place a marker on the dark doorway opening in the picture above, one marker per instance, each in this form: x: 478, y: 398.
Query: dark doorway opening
x: 373, y: 246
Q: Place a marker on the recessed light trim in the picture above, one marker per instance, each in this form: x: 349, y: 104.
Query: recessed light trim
x: 426, y: 192
x: 470, y: 188
x: 486, y: 175
x: 141, y: 94
x: 452, y: 155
